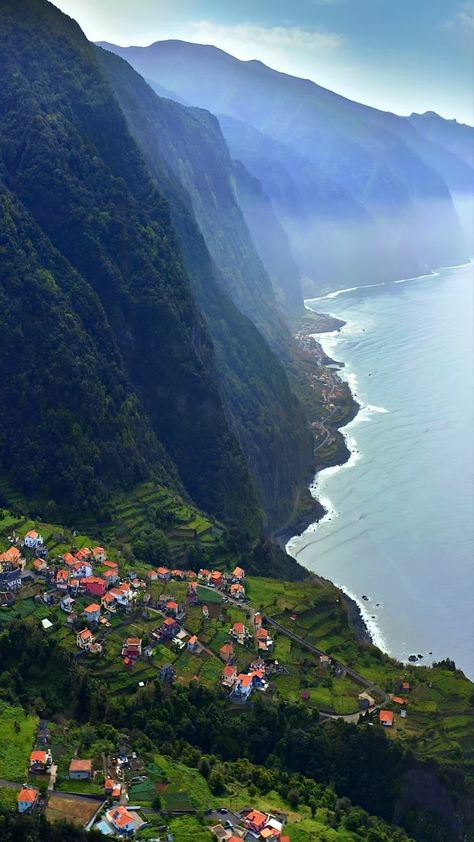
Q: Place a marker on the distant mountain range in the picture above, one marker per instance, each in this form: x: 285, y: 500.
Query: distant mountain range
x: 363, y: 195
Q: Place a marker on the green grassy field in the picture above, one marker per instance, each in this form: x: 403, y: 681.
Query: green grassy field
x: 18, y: 731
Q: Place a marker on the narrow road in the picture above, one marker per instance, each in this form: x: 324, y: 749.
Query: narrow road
x: 68, y: 795
x: 355, y: 676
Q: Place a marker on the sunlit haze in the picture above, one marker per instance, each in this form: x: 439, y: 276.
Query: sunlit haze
x: 402, y: 57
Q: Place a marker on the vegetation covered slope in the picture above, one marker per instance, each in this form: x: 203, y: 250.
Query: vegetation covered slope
x: 73, y: 428
x: 67, y: 156
x: 192, y: 144
x: 260, y: 406
x: 347, y: 144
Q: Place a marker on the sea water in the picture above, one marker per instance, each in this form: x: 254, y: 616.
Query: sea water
x: 400, y: 514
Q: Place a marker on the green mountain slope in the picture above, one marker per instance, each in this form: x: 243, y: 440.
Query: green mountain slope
x: 63, y: 136
x: 260, y: 406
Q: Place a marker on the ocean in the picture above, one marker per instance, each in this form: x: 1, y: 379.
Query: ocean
x: 399, y: 528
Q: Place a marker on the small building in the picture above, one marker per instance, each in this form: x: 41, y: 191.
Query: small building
x: 92, y: 613
x: 226, y: 652
x: 386, y: 718
x: 193, y: 644
x: 132, y: 648
x: 163, y: 573
x: 99, y: 554
x: 80, y: 770
x: 204, y: 576
x: 62, y: 579
x: 243, y: 687
x: 33, y: 539
x: 205, y: 612
x: 365, y: 701
x: 40, y: 565
x: 108, y: 786
x: 240, y: 633
x: 83, y: 554
x: 85, y: 639
x: 229, y: 676
x: 111, y: 576
x: 255, y: 821
x: 123, y: 821
x: 172, y: 607
x: 237, y: 591
x: 39, y: 761
x: 94, y: 585
x: 324, y: 661
x: 67, y: 603
x: 257, y: 620
x: 238, y: 574
x: 27, y: 799
x: 216, y: 578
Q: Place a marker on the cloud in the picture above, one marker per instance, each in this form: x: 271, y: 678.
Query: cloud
x: 254, y: 40
x: 463, y: 20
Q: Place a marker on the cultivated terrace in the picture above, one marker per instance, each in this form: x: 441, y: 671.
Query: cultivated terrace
x: 152, y: 687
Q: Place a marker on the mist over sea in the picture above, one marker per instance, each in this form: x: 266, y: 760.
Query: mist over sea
x: 399, y: 527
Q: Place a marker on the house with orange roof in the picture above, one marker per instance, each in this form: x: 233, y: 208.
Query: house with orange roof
x: 85, y: 639
x: 238, y: 574
x: 123, y: 820
x: 111, y: 565
x: 92, y: 613
x: 163, y: 573
x: 239, y: 633
x: 255, y: 821
x: 27, y: 799
x: 152, y: 575
x: 94, y: 585
x: 62, y: 579
x: 243, y: 687
x: 108, y: 786
x: 237, y: 591
x: 83, y: 554
x: 99, y: 554
x: 40, y: 565
x: 191, y: 576
x: 400, y: 700
x: 132, y: 648
x: 204, y: 576
x: 178, y: 574
x: 193, y: 643
x: 40, y: 760
x: 386, y: 718
x: 226, y: 652
x: 82, y: 569
x: 172, y: 607
x: 229, y: 676
x: 264, y: 640
x: 111, y: 576
x: 108, y: 602
x: 216, y: 579
x: 270, y: 834
x: 257, y: 620
x: 80, y: 770
x: 116, y: 792
x: 11, y: 556
x: 69, y: 559
x: 33, y: 539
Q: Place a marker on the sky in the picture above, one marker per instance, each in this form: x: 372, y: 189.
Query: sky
x: 397, y: 55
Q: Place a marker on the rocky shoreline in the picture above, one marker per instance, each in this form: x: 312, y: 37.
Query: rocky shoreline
x: 341, y: 412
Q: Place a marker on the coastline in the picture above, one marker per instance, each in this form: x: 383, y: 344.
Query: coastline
x: 357, y: 608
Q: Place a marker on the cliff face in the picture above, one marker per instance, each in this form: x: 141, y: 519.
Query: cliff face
x: 124, y: 381
x: 179, y: 147
x: 399, y: 209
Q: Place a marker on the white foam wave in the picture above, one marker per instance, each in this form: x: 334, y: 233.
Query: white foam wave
x: 379, y: 409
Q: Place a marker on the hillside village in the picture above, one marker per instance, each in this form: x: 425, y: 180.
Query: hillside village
x: 219, y: 627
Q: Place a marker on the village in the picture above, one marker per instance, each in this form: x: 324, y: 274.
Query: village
x: 178, y: 625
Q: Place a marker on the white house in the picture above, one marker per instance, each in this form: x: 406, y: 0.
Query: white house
x: 33, y: 539
x: 123, y: 820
